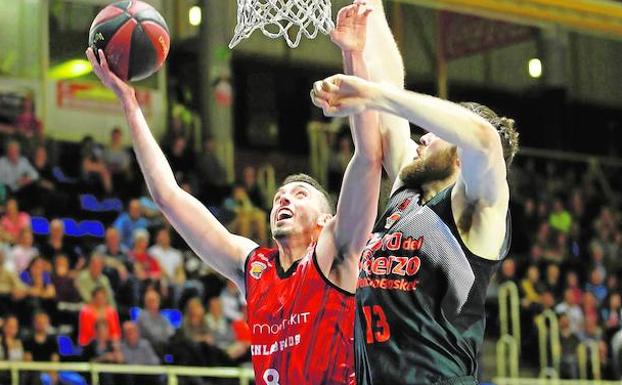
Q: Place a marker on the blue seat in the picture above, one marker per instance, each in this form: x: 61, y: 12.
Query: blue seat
x: 134, y: 313
x: 71, y: 378
x: 40, y: 225
x: 173, y: 316
x: 66, y: 348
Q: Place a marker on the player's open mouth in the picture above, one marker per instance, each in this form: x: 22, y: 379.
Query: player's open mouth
x: 284, y: 213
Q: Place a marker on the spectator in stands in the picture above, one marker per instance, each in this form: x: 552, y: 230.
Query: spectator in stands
x: 170, y: 259
x: 572, y: 283
x: 592, y: 331
x: 146, y: 267
x: 212, y: 174
x: 129, y: 221
x: 531, y: 287
x: 589, y: 306
x: 23, y: 252
x: 117, y: 158
x: 14, y: 221
x: 39, y: 285
x: 249, y: 221
x: 552, y: 281
x: 507, y: 272
x: 12, y: 290
x: 221, y: 330
x: 41, y: 346
x: 93, y: 278
x: 568, y: 341
x: 560, y: 218
x: 175, y: 130
x: 49, y: 196
x: 95, y: 174
x: 612, y: 314
x: 126, y: 292
x: 26, y: 124
x: 96, y: 310
x: 112, y: 247
x: 181, y: 159
x: 232, y: 302
x: 570, y: 307
x: 249, y: 181
x: 67, y: 296
x: 57, y: 244
x: 153, y: 326
x: 104, y: 348
x: 11, y: 346
x: 17, y: 173
x: 596, y: 285
x: 138, y: 351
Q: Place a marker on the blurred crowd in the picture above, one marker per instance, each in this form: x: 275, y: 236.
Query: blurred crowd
x: 135, y: 295
x: 566, y: 258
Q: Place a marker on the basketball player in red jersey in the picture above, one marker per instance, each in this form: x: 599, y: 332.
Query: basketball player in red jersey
x: 300, y: 299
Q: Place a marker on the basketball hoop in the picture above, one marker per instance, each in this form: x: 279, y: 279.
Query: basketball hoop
x: 290, y: 19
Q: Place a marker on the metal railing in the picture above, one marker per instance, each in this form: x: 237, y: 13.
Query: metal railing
x: 508, y: 346
x: 245, y: 375
x: 548, y: 341
x: 591, y: 348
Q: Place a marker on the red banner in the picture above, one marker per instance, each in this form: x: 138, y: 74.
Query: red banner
x: 464, y: 35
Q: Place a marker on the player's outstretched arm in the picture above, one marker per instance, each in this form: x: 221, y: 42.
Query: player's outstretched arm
x: 479, y: 146
x: 224, y: 251
x: 344, y: 238
x: 385, y: 65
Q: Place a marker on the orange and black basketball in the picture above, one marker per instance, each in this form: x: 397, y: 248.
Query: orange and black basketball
x: 134, y: 38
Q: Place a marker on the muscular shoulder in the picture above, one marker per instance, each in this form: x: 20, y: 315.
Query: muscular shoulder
x: 482, y: 225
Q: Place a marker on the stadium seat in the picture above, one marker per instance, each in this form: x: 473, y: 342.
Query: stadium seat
x: 66, y: 348
x: 173, y: 316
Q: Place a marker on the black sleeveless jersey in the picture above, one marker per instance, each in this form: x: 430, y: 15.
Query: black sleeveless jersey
x: 420, y: 298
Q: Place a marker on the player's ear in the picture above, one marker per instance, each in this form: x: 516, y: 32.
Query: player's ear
x: 322, y: 219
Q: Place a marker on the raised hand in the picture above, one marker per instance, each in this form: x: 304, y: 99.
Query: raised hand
x: 350, y: 31
x: 107, y: 77
x: 342, y: 95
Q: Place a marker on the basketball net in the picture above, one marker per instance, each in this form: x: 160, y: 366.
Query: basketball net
x: 290, y: 19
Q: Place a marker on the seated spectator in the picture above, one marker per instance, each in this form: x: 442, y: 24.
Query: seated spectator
x: 130, y: 221
x: 23, y: 252
x: 57, y: 244
x: 590, y: 306
x: 221, y: 330
x: 232, y: 302
x: 117, y: 158
x: 507, y: 272
x: 568, y: 341
x: 95, y: 311
x: 570, y: 307
x: 612, y: 315
x: 170, y: 259
x: 249, y: 181
x: 12, y: 290
x: 68, y: 299
x: 92, y: 278
x: 139, y: 255
x: 596, y: 285
x: 41, y: 346
x: 11, y: 346
x: 572, y: 283
x: 126, y: 292
x: 152, y: 325
x: 112, y: 247
x: 552, y: 281
x: 13, y: 222
x: 249, y: 220
x: 27, y: 124
x: 49, y: 196
x: 181, y: 158
x: 138, y: 351
x: 531, y: 287
x: 95, y: 174
x: 17, y: 173
x: 105, y: 349
x: 212, y: 174
x: 560, y: 218
x: 39, y: 285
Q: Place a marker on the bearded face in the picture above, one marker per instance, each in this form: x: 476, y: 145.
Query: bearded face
x: 436, y: 162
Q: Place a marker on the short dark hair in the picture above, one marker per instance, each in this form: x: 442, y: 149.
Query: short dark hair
x: 505, y: 128
x: 304, y: 178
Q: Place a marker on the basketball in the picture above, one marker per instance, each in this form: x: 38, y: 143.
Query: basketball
x: 134, y: 38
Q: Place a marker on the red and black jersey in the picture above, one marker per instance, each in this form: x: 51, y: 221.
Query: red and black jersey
x: 302, y: 325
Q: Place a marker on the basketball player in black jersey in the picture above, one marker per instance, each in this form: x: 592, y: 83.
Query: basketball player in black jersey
x: 424, y: 274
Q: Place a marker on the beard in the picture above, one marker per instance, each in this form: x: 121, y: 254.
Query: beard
x: 435, y: 167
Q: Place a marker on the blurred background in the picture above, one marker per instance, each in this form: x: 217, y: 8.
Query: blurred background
x: 80, y: 235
